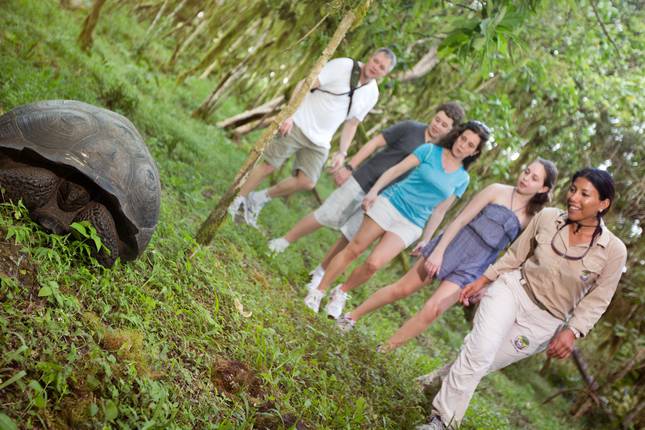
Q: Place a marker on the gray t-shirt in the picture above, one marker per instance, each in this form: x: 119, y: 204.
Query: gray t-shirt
x: 401, y: 140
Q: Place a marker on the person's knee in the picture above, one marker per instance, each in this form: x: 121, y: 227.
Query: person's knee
x: 399, y: 292
x: 430, y: 312
x: 267, y: 168
x: 372, y: 265
x: 305, y: 182
x: 351, y: 252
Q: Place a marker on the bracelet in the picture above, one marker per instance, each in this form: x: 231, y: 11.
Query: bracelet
x: 343, y: 153
x: 348, y: 167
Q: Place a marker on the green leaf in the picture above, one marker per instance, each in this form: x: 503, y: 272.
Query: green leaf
x: 7, y: 423
x: 45, y: 292
x: 79, y: 228
x: 97, y: 242
x: 111, y: 410
x: 13, y: 379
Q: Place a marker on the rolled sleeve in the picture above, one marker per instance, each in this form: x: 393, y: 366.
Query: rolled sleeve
x: 595, y: 303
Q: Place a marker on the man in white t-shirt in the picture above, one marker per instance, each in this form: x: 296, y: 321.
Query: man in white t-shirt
x: 309, y: 132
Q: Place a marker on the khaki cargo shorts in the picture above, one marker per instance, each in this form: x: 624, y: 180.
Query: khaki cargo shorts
x: 310, y: 158
x: 338, y: 208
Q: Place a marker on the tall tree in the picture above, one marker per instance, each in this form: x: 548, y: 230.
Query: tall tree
x: 209, y: 227
x: 85, y: 38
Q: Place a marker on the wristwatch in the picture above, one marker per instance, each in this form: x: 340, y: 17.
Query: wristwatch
x: 343, y: 153
x: 575, y: 332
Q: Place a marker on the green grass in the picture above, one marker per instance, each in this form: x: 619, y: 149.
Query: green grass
x: 147, y: 344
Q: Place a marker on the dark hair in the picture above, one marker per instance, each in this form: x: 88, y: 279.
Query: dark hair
x: 602, y: 182
x: 476, y: 127
x: 454, y: 112
x: 537, y: 202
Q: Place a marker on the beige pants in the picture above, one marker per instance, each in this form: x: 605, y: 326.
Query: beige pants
x: 508, y: 327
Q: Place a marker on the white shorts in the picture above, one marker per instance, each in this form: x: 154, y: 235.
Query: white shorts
x: 350, y: 228
x: 389, y: 219
x: 341, y: 205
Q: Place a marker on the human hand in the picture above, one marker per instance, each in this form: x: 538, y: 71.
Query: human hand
x: 369, y: 200
x: 285, y: 127
x: 472, y: 292
x: 561, y: 346
x: 433, y: 263
x: 418, y: 247
x: 342, y: 175
x: 337, y: 162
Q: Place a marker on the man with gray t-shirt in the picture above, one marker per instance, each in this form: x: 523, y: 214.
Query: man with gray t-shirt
x: 342, y: 209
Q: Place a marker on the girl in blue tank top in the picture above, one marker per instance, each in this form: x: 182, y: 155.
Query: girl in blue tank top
x: 396, y: 218
x: 488, y: 223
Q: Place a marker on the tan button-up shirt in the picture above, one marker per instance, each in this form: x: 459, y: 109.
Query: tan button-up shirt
x: 579, y: 289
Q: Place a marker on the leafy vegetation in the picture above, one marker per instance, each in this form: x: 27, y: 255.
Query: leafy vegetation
x: 216, y: 337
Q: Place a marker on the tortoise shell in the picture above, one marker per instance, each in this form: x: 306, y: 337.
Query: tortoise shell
x: 104, y: 147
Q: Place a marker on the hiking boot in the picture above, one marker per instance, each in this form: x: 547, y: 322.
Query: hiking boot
x: 312, y: 301
x: 316, y: 277
x: 254, y: 203
x: 337, y: 302
x: 345, y: 324
x: 435, y: 423
x: 278, y: 245
x: 237, y: 209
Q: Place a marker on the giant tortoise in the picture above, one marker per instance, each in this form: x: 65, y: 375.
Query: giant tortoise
x: 70, y: 161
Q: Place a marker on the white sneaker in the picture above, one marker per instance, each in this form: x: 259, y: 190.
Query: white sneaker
x: 316, y: 277
x: 345, y: 324
x: 235, y: 207
x: 435, y: 423
x: 312, y: 301
x: 337, y: 302
x: 254, y: 204
x: 278, y: 245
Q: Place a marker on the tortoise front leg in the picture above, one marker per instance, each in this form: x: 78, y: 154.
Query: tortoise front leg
x: 34, y: 185
x: 102, y: 220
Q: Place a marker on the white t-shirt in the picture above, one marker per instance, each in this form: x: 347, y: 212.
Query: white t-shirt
x: 320, y: 114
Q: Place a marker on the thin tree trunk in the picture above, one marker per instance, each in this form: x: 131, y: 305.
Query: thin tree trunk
x: 209, y: 227
x: 252, y: 114
x: 423, y: 66
x: 206, y: 108
x: 85, y: 38
x: 223, y: 43
x: 187, y: 41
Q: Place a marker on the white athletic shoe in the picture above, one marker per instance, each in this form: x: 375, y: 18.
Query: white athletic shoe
x: 254, y: 204
x: 278, y: 245
x: 345, y: 324
x: 435, y: 423
x: 235, y: 207
x: 337, y: 302
x: 316, y: 277
x: 312, y: 301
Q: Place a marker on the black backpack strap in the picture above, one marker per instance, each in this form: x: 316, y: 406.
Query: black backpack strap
x: 354, y: 79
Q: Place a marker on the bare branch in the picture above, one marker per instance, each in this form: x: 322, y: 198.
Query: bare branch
x: 604, y: 29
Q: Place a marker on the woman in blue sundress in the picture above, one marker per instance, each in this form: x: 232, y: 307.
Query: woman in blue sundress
x: 490, y: 221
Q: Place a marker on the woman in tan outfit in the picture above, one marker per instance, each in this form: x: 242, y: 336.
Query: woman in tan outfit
x: 549, y: 289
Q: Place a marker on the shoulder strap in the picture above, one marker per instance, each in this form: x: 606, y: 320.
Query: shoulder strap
x: 354, y: 78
